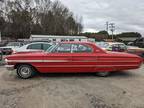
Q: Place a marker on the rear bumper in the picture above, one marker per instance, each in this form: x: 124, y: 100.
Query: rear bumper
x: 9, y: 67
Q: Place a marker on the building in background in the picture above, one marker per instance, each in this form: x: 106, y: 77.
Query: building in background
x: 56, y: 38
x: 126, y: 40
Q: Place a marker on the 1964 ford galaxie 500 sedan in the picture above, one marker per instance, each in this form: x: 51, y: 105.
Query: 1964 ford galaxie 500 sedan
x: 71, y: 57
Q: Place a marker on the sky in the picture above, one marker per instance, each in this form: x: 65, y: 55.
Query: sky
x: 128, y: 15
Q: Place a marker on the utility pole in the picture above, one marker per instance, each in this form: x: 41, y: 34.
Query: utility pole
x: 107, y: 26
x: 112, y: 29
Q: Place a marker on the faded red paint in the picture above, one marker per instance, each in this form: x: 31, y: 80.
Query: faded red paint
x: 97, y: 61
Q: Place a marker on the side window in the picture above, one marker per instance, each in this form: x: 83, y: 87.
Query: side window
x: 79, y: 48
x: 35, y: 46
x: 46, y: 46
x: 62, y: 48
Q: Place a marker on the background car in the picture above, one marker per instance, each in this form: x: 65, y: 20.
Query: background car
x: 10, y: 47
x: 138, y: 42
x: 35, y: 46
x: 112, y: 46
x: 121, y: 47
x: 136, y: 50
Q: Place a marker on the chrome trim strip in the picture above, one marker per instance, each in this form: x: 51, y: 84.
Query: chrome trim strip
x: 85, y: 66
x: 23, y: 61
x: 55, y: 60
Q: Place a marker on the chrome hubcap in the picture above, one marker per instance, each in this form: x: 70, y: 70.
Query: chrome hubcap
x: 25, y: 71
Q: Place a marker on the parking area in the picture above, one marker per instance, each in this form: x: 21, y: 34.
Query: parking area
x: 119, y: 90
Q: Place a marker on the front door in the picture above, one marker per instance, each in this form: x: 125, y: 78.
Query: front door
x: 58, y: 60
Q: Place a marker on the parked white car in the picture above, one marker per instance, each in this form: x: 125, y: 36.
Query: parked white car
x: 35, y: 46
x: 10, y: 47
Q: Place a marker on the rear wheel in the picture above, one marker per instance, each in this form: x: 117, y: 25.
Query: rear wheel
x: 25, y: 71
x: 103, y: 74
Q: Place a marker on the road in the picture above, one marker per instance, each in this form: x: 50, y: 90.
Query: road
x: 119, y: 90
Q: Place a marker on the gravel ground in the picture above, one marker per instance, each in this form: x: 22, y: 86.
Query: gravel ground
x: 119, y: 90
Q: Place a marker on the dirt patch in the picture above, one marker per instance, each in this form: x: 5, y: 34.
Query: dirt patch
x: 122, y: 90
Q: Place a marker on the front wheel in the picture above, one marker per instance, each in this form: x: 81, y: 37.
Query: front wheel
x: 103, y: 74
x: 25, y: 71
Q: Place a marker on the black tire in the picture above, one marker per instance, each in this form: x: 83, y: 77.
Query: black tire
x: 25, y: 71
x: 103, y: 74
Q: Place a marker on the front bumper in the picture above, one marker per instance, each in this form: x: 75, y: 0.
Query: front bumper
x: 9, y: 67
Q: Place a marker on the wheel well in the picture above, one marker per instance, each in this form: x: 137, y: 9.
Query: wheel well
x: 18, y: 64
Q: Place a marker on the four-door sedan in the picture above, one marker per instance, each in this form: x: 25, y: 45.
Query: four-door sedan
x: 72, y: 57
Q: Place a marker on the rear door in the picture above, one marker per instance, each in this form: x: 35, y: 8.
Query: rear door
x: 83, y: 58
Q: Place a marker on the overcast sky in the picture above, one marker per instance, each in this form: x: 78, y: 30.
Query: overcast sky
x: 128, y: 15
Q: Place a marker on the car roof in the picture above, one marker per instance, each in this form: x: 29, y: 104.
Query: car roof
x: 39, y: 42
x: 35, y: 43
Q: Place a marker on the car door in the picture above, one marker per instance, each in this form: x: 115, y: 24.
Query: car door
x: 83, y: 58
x: 58, y: 60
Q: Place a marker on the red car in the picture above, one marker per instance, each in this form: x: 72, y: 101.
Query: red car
x: 72, y: 57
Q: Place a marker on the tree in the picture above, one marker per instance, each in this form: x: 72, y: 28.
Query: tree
x: 22, y: 18
x: 103, y: 32
x: 129, y: 34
